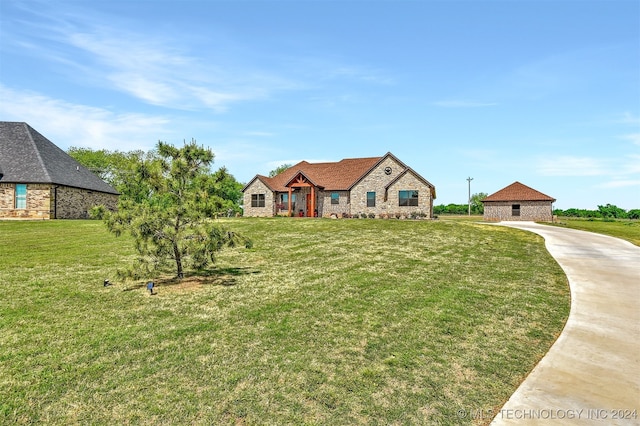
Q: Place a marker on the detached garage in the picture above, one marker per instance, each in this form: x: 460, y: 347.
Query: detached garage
x: 518, y: 202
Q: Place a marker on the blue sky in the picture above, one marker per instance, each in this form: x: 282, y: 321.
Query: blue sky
x: 543, y: 92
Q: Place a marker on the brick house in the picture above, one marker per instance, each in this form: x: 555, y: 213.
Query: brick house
x: 518, y: 202
x: 38, y: 180
x: 376, y: 185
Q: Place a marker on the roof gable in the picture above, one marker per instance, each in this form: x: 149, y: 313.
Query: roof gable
x: 332, y: 176
x: 28, y: 157
x: 412, y: 172
x: 518, y: 192
x: 300, y: 179
x: 260, y: 178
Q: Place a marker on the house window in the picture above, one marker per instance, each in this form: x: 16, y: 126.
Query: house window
x: 284, y: 201
x: 515, y: 210
x: 371, y: 199
x: 257, y: 200
x: 21, y: 196
x: 407, y: 198
x: 335, y: 198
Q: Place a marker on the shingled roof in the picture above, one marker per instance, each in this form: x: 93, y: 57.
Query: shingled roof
x: 518, y: 192
x: 28, y: 157
x: 336, y: 176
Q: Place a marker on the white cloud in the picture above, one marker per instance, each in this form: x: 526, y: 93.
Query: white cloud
x: 619, y: 184
x: 67, y: 124
x: 631, y: 165
x: 153, y: 92
x: 633, y: 137
x: 151, y: 67
x: 184, y: 72
x: 629, y: 118
x: 571, y: 166
x: 218, y: 101
x: 157, y: 72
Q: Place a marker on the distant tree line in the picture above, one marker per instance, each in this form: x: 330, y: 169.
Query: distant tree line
x: 122, y: 171
x: 608, y: 211
x: 476, y: 206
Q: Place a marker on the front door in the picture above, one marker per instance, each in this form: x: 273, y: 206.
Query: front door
x: 309, y: 212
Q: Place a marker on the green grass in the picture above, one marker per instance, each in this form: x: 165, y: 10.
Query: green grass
x: 626, y: 229
x: 461, y: 218
x: 322, y: 322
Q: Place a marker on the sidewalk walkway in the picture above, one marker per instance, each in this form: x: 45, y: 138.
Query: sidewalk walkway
x: 591, y: 375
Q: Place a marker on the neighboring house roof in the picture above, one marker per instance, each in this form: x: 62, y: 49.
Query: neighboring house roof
x: 28, y: 157
x: 518, y: 192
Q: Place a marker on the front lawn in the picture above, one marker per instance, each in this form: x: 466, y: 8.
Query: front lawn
x: 621, y: 228
x: 351, y: 321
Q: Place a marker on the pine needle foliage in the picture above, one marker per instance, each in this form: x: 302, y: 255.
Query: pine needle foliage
x: 172, y: 225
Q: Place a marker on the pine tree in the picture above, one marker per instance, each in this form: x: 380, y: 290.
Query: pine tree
x: 172, y: 225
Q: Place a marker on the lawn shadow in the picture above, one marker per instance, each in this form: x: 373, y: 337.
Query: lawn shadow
x: 216, y: 276
x: 225, y: 277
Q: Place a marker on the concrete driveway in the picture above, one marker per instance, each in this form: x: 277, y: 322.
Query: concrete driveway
x: 591, y: 375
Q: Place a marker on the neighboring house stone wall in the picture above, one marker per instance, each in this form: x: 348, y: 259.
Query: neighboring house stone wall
x: 540, y: 211
x: 38, y: 202
x: 258, y: 187
x: 71, y: 203
x: 6, y: 198
x: 75, y: 203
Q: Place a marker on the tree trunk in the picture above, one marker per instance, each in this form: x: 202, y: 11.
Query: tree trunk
x: 176, y: 250
x: 178, y: 257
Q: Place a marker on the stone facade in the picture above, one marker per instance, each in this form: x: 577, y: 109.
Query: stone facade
x: 386, y: 179
x: 387, y: 188
x: 38, y: 202
x: 75, y: 203
x: 537, y: 211
x: 47, y: 201
x: 257, y: 188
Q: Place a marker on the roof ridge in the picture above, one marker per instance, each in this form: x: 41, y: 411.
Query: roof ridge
x: 378, y: 161
x: 32, y: 158
x: 518, y: 191
x: 43, y: 166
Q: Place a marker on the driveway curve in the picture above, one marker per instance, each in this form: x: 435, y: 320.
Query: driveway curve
x: 591, y: 374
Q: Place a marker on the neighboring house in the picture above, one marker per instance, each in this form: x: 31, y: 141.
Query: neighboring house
x: 518, y: 202
x: 377, y: 185
x: 38, y: 180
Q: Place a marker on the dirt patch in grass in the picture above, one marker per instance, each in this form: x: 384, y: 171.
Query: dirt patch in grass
x: 193, y: 282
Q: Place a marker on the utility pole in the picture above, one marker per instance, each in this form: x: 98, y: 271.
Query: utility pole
x: 469, y: 179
